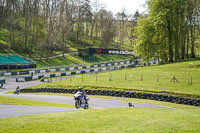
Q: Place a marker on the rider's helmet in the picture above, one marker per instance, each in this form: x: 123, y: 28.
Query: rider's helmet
x: 80, y: 88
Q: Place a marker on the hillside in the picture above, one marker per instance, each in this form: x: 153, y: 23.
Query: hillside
x: 71, y: 46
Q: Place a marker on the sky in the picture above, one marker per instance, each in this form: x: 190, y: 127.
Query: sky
x: 130, y: 5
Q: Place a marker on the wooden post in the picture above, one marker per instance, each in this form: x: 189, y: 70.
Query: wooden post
x: 110, y: 76
x: 157, y: 78
x: 190, y: 77
x: 174, y: 79
x: 82, y: 77
x: 190, y: 81
x: 125, y: 76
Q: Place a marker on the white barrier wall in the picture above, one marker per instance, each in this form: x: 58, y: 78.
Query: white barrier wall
x: 62, y: 69
x: 52, y: 70
x: 7, y: 74
x: 104, y: 68
x: 71, y: 68
x: 42, y: 71
x: 78, y: 72
x: 115, y: 66
x: 68, y: 73
x: 58, y: 74
x: 87, y: 71
x: 103, y: 65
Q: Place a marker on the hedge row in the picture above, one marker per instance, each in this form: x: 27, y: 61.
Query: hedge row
x: 157, y: 97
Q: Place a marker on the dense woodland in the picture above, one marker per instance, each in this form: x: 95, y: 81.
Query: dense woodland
x: 169, y: 31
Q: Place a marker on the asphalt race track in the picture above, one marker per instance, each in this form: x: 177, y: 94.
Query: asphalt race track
x: 19, y: 110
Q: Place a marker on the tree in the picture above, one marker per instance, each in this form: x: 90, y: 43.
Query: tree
x: 144, y: 44
x: 130, y: 27
x: 3, y: 11
x: 95, y: 8
x: 172, y: 23
x: 122, y: 18
x: 50, y: 8
x: 86, y: 14
x: 107, y: 27
x: 64, y: 25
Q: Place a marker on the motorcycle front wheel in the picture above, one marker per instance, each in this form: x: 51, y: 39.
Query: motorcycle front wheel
x: 78, y: 104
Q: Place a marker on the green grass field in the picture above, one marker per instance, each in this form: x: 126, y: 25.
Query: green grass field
x: 75, y: 59
x: 3, y: 37
x: 181, y: 119
x: 155, y: 79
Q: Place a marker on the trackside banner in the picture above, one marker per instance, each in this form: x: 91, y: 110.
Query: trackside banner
x: 111, y: 51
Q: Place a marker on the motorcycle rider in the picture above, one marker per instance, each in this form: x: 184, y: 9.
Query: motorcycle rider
x: 1, y: 85
x: 82, y: 92
x: 42, y: 79
x: 17, y: 90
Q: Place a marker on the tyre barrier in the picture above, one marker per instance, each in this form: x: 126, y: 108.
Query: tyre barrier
x: 157, y: 97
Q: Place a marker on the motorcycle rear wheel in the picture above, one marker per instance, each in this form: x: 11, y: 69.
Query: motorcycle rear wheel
x: 16, y: 92
x: 86, y: 106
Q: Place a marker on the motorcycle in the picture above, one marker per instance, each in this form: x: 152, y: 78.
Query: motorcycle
x: 16, y: 92
x: 1, y: 85
x: 81, y: 100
